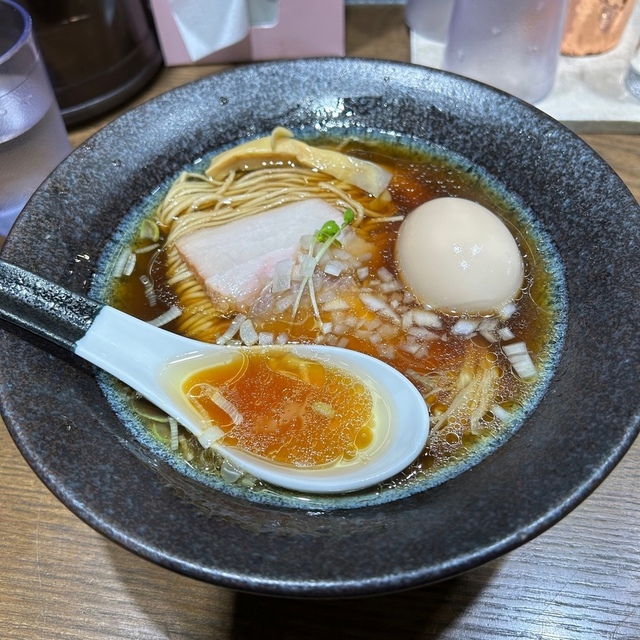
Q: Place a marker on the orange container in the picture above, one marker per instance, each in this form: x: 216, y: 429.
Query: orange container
x: 594, y: 26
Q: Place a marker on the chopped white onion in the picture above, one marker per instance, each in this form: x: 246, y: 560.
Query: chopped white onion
x: 501, y: 414
x: 488, y: 324
x: 520, y: 360
x: 149, y: 291
x: 229, y: 472
x: 118, y: 267
x: 386, y: 351
x: 130, y: 264
x: 248, y: 333
x: 147, y: 248
x: 218, y: 399
x: 388, y: 330
x: 209, y: 436
x: 410, y: 345
x: 362, y: 273
x: 296, y: 275
x: 465, y: 327
x: 487, y: 329
x: 282, y: 276
x: 232, y: 329
x: 385, y: 275
x: 379, y: 305
x: 166, y: 317
x: 505, y: 333
x: 421, y: 352
x: 336, y: 304
x: 507, y: 311
x: 390, y: 286
x: 373, y: 303
x: 328, y: 291
x: 340, y: 328
x: 173, y: 425
x: 422, y: 333
x: 265, y: 337
x: 373, y: 324
x: 343, y: 255
x: 334, y: 267
x: 350, y: 321
x: 424, y: 318
x: 286, y: 302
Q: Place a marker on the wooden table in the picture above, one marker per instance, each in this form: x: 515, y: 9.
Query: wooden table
x: 580, y: 580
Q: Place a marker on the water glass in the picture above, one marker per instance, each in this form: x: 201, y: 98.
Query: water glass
x: 429, y: 18
x: 632, y: 80
x: 513, y: 45
x: 33, y: 138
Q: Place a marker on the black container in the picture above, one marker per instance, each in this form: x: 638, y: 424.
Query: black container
x: 98, y: 52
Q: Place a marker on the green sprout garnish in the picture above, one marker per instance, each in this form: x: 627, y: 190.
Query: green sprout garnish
x: 325, y: 237
x: 330, y: 229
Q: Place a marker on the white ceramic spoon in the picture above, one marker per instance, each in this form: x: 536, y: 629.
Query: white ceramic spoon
x: 155, y: 362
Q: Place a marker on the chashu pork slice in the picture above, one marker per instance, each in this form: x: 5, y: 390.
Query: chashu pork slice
x: 235, y: 261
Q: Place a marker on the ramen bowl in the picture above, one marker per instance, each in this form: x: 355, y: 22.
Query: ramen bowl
x: 581, y: 426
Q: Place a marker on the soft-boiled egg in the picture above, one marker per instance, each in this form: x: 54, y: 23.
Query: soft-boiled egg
x: 458, y: 257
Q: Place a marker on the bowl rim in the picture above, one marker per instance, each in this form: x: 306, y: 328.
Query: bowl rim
x: 429, y: 91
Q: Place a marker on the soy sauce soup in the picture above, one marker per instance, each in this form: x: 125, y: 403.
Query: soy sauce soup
x: 285, y: 408
x: 475, y: 397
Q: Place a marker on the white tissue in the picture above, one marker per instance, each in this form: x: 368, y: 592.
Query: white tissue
x: 207, y: 26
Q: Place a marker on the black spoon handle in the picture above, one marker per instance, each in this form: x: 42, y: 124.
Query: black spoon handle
x: 43, y: 307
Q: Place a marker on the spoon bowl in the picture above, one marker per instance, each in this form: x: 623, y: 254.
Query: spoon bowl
x: 156, y: 362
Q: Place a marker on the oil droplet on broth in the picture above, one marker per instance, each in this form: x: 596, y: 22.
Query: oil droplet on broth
x: 291, y: 410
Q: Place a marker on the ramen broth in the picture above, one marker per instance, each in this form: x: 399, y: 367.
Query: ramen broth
x: 452, y: 360
x: 285, y: 408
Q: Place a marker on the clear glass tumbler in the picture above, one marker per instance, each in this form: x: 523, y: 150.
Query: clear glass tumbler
x: 632, y: 80
x: 429, y: 18
x: 33, y: 138
x: 513, y: 45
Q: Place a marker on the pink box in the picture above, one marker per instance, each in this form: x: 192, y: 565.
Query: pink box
x: 305, y: 28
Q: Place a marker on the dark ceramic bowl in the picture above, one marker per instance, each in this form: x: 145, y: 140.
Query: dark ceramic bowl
x: 580, y: 429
